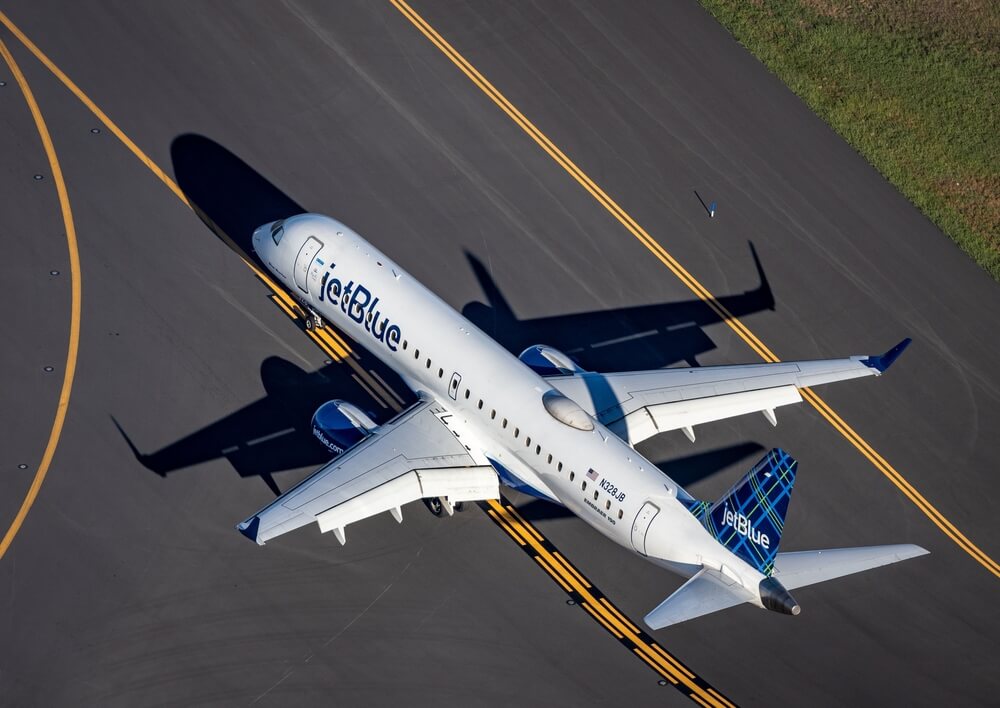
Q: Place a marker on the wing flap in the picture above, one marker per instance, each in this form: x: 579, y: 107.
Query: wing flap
x: 457, y: 483
x: 658, y: 418
x: 415, y: 440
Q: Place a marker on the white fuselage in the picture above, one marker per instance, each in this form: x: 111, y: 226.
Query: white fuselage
x: 495, y: 399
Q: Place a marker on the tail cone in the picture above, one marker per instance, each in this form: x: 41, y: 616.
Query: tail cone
x: 775, y: 598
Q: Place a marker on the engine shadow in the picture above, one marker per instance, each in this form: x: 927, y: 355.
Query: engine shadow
x: 271, y: 434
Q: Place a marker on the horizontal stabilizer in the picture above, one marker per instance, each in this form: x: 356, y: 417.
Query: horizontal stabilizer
x: 801, y: 568
x: 708, y: 591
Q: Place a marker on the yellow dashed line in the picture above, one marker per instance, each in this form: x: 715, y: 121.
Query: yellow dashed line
x: 656, y: 667
x: 618, y: 615
x: 573, y: 571
x: 600, y: 618
x: 555, y: 576
x: 602, y: 610
x: 75, y: 305
x: 673, y: 662
x: 288, y: 311
x: 528, y: 526
x: 690, y: 281
x: 698, y: 700
x: 507, y: 528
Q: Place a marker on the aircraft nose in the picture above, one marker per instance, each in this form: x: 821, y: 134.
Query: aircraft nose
x: 257, y: 234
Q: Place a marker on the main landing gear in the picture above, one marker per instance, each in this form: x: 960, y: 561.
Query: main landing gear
x: 439, y: 505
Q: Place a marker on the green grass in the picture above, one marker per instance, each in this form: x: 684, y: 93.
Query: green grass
x: 913, y: 85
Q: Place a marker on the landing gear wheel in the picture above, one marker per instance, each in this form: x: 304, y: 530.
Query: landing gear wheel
x: 435, y: 505
x: 310, y: 322
x: 457, y: 506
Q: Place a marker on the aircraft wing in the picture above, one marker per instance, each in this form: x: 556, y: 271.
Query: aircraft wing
x: 637, y: 405
x: 413, y: 456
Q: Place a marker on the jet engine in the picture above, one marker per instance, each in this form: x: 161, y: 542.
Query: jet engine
x: 340, y: 425
x: 546, y: 361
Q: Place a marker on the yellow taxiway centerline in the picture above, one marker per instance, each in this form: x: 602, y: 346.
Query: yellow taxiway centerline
x: 75, y: 308
x: 692, y: 284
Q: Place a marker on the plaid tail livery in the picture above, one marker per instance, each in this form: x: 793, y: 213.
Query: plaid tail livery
x: 749, y: 518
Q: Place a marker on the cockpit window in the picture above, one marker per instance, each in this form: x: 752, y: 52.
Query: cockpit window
x: 277, y: 231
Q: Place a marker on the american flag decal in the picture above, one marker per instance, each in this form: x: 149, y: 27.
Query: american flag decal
x: 592, y: 475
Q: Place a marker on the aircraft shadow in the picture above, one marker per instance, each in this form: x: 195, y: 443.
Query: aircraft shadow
x: 624, y: 339
x: 272, y: 434
x: 226, y: 193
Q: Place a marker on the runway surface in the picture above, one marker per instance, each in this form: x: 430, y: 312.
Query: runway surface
x: 126, y: 583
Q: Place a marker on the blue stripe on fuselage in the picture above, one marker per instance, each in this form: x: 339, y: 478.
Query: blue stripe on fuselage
x: 514, y: 482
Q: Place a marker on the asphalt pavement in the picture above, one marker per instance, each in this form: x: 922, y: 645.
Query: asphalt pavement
x: 126, y: 583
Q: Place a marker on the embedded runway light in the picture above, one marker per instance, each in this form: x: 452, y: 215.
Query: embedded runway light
x: 95, y: 131
x: 49, y: 369
x: 2, y: 84
x: 22, y: 466
x: 38, y: 177
x: 53, y: 272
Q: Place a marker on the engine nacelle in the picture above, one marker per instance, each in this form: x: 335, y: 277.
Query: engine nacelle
x: 340, y: 425
x: 546, y: 361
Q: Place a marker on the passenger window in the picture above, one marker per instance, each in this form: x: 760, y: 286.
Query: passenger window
x: 621, y: 513
x: 480, y: 404
x: 571, y: 475
x: 504, y: 423
x: 467, y: 392
x: 517, y: 431
x: 608, y: 505
x: 559, y: 467
x: 440, y: 373
x: 538, y: 449
x: 584, y: 487
x: 550, y: 459
x: 595, y: 494
x: 527, y: 441
x: 404, y: 345
x: 416, y: 353
x: 493, y: 414
x: 428, y: 363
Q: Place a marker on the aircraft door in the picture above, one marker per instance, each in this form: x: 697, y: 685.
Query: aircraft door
x: 641, y: 525
x: 302, y: 262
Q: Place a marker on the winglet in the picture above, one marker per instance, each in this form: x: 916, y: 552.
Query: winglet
x: 249, y: 529
x: 882, y: 362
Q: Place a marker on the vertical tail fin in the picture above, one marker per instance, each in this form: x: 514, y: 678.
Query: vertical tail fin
x: 749, y: 518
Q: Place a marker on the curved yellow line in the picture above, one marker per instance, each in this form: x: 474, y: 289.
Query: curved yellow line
x: 693, y: 284
x: 74, y: 326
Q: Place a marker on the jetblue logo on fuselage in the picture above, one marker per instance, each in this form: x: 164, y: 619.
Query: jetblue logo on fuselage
x: 357, y: 302
x: 742, y: 526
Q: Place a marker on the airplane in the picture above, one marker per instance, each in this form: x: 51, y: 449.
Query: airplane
x: 540, y: 424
